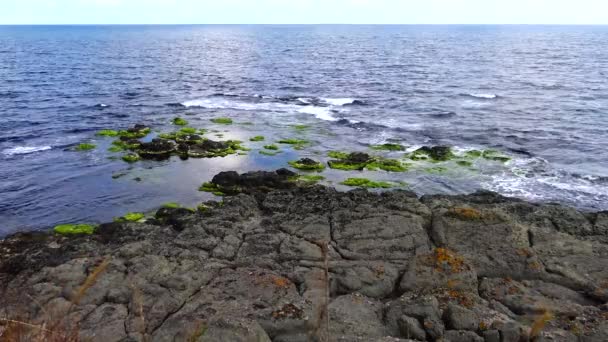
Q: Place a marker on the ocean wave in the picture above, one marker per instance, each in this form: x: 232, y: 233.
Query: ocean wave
x: 482, y: 96
x: 24, y: 150
x: 288, y: 105
x: 338, y: 101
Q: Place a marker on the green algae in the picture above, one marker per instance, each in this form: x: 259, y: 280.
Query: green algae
x: 188, y: 130
x: 222, y: 121
x: 168, y: 136
x: 310, y: 178
x: 495, y: 156
x: 473, y: 153
x: 292, y: 141
x: 85, y: 147
x: 388, y: 147
x: 257, y: 138
x: 171, y: 205
x: 107, y: 133
x: 338, y: 155
x: 74, y: 229
x: 271, y: 147
x: 212, y: 188
x: 131, y: 158
x: 179, y: 121
x: 390, y: 165
x: 130, y: 134
x: 131, y: 217
x: 346, y: 165
x: 270, y: 153
x: 123, y: 145
x: 115, y: 149
x: 298, y: 164
x: 464, y: 163
x: 367, y: 183
x: 434, y: 154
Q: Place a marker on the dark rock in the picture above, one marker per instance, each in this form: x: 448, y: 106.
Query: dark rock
x: 491, y: 336
x: 439, y: 153
x: 459, y: 318
x: 174, y: 217
x: 359, y: 157
x: 231, y: 182
x: 156, y: 149
x: 462, y: 336
x: 307, y: 161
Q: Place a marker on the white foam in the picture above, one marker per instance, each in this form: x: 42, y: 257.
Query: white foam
x: 323, y: 113
x: 484, y: 96
x: 25, y: 150
x: 338, y: 101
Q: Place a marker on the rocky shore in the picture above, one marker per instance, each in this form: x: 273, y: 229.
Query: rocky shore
x: 283, y: 260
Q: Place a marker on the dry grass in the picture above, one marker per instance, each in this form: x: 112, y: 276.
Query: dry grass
x: 54, y: 328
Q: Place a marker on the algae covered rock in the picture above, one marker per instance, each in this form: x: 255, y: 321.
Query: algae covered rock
x: 307, y: 164
x: 352, y: 161
x: 434, y: 153
x: 210, y: 149
x: 179, y: 121
x: 367, y: 183
x: 156, y: 149
x: 74, y: 229
x: 388, y: 147
x: 135, y: 132
x: 85, y: 147
x: 230, y: 182
x: 222, y: 121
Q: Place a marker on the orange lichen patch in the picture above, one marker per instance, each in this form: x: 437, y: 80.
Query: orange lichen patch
x: 468, y: 214
x: 452, y: 283
x: 288, y: 311
x: 446, y: 258
x: 461, y: 298
x: 540, y: 322
x: 280, y: 282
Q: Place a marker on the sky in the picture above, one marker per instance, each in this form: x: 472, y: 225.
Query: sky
x: 303, y: 11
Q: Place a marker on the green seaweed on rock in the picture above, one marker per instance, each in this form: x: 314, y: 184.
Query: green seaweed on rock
x: 188, y: 130
x: 85, y: 147
x: 292, y: 141
x: 131, y: 217
x: 464, y: 163
x: 338, y: 155
x: 367, y: 183
x: 107, y: 133
x: 171, y: 205
x: 179, y: 121
x: 222, y: 121
x: 131, y: 158
x: 212, y: 188
x: 307, y: 164
x: 257, y: 138
x: 271, y: 147
x: 388, y: 147
x: 391, y: 165
x: 74, y: 229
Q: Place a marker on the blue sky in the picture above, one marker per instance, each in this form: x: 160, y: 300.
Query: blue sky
x: 303, y: 11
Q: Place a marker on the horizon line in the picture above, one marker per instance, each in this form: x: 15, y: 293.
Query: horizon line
x: 305, y: 24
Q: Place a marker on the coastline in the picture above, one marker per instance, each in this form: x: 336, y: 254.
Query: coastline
x: 257, y: 267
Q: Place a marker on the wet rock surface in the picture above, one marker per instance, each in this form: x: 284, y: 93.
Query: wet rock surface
x: 258, y: 266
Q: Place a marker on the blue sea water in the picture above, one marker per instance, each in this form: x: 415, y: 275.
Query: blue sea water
x: 536, y: 93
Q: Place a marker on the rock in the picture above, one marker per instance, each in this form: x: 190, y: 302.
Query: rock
x: 222, y: 330
x: 210, y: 149
x: 261, y: 264
x: 459, y: 318
x: 438, y: 153
x: 411, y: 328
x: 462, y: 336
x: 156, y: 149
x: 232, y: 183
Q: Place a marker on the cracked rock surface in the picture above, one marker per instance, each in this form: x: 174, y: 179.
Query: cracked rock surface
x: 479, y: 267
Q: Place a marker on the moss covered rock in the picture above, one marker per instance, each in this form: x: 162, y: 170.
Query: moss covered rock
x: 156, y: 149
x: 211, y: 149
x: 257, y: 138
x: 179, y: 121
x: 222, y: 121
x: 388, y: 147
x: 74, y: 229
x: 85, y: 147
x: 131, y: 158
x: 390, y: 165
x: 131, y: 217
x: 435, y: 153
x: 188, y: 130
x: 135, y: 132
x: 307, y: 164
x: 107, y: 133
x: 293, y: 141
x: 367, y: 183
x: 271, y: 147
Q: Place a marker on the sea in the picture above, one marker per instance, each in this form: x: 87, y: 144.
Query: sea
x: 537, y: 94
